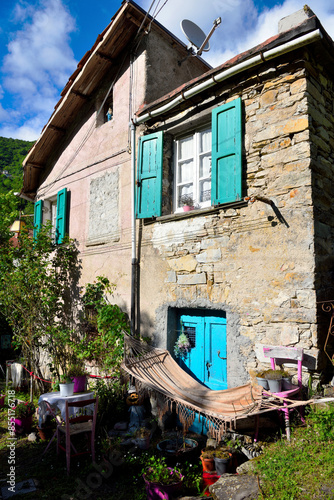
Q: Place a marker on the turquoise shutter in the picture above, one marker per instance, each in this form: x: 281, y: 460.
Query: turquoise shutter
x: 226, y: 183
x: 38, y: 217
x: 149, y: 175
x: 61, y: 222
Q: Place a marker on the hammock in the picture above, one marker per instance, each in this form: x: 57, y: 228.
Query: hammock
x: 155, y: 370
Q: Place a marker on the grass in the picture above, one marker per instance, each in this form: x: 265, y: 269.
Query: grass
x: 304, y: 468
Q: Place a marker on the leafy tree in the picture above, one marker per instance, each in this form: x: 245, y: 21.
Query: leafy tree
x: 38, y: 291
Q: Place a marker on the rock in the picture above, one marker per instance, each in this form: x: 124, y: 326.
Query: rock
x: 32, y: 437
x: 121, y: 426
x: 246, y: 467
x: 235, y: 487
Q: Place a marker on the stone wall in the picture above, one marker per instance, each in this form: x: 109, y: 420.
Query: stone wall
x: 253, y: 261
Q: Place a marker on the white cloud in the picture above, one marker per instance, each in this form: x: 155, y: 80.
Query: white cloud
x: 38, y: 63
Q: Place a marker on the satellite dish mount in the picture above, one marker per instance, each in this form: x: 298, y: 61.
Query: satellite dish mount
x: 199, y: 42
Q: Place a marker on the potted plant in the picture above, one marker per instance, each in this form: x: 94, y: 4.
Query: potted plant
x: 187, y: 202
x: 222, y: 459
x: 161, y: 481
x: 274, y: 378
x: 77, y: 375
x: 182, y: 345
x: 287, y: 381
x: 66, y: 386
x: 261, y: 379
x: 23, y: 417
x: 142, y: 438
x: 207, y: 459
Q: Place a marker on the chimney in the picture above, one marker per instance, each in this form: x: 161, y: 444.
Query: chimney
x: 294, y: 19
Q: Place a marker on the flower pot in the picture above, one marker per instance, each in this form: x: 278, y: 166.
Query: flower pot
x: 66, y: 389
x: 143, y: 443
x: 157, y: 491
x: 275, y: 385
x: 23, y: 424
x: 79, y: 383
x: 287, y: 383
x: 187, y: 208
x: 45, y: 433
x: 208, y: 464
x: 208, y: 479
x: 221, y: 465
x: 178, y: 447
x: 263, y: 382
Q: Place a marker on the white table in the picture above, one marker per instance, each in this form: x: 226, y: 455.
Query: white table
x: 59, y: 402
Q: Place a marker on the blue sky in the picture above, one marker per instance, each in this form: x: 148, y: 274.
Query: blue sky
x: 41, y: 42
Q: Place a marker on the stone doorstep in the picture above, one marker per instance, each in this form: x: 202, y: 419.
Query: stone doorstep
x: 21, y: 488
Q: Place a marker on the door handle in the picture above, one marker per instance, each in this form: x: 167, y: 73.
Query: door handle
x: 219, y: 356
x: 208, y: 365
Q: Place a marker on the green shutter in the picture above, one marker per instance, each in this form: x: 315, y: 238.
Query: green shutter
x: 149, y: 176
x: 226, y: 183
x: 61, y: 222
x: 38, y: 217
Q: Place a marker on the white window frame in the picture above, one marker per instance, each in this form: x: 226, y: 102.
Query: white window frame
x: 50, y: 213
x: 196, y: 156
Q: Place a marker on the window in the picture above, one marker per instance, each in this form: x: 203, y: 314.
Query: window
x: 54, y: 209
x: 193, y: 169
x: 208, y: 165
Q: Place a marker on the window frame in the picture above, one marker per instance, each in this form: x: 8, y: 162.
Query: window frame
x: 196, y: 136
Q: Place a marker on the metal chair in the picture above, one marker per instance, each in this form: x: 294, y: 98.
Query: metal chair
x: 78, y: 424
x: 280, y: 355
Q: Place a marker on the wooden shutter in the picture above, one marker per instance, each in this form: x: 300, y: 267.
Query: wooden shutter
x: 226, y: 183
x: 38, y: 217
x: 149, y: 176
x: 61, y: 222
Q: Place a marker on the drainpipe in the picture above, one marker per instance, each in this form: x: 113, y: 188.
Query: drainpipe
x: 133, y: 228
x: 238, y: 68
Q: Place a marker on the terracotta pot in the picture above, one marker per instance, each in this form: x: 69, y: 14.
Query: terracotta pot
x: 45, y: 433
x: 208, y: 464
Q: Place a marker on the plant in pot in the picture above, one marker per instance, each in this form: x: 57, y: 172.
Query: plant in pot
x: 77, y: 374
x: 66, y: 386
x: 274, y: 378
x: 142, y: 438
x: 182, y: 345
x: 222, y: 459
x: 187, y: 202
x: 261, y: 379
x: 287, y: 381
x: 161, y: 481
x: 207, y: 459
x: 23, y: 417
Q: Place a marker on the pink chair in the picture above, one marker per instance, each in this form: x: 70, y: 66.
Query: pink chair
x: 77, y: 425
x: 278, y: 356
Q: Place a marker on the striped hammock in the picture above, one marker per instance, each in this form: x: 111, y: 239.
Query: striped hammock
x: 155, y: 370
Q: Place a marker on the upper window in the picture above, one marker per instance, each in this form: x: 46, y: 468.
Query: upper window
x: 208, y: 165
x: 193, y: 170
x: 54, y: 209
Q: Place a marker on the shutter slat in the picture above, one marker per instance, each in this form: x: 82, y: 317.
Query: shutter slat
x: 226, y: 153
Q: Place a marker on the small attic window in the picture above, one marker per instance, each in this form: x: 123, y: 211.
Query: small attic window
x: 104, y: 113
x: 108, y: 111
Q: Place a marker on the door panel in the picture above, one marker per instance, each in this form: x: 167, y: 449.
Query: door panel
x: 208, y: 338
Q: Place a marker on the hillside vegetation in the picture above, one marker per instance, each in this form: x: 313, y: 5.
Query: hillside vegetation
x: 12, y: 154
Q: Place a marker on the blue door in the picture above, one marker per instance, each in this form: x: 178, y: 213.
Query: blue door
x: 206, y: 361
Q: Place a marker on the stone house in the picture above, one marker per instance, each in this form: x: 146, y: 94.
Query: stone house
x: 251, y: 142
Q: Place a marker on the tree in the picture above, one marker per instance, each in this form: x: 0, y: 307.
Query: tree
x: 38, y: 295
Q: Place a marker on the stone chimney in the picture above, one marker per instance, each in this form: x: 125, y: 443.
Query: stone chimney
x: 294, y: 19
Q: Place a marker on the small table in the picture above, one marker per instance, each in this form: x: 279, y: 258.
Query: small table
x: 57, y: 401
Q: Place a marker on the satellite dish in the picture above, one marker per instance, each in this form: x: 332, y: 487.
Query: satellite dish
x: 194, y: 34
